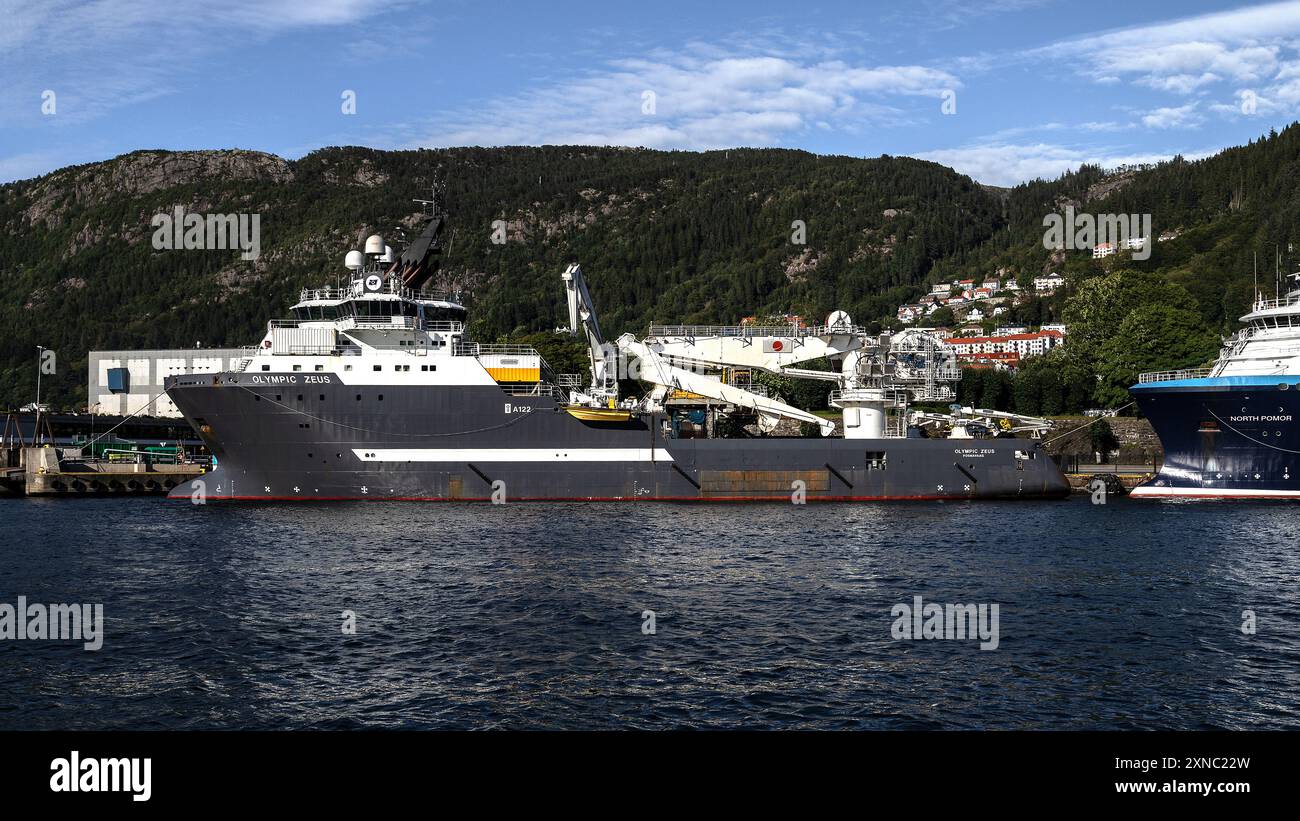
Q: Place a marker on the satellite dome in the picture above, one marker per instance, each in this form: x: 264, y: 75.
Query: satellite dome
x: 839, y: 320
x: 374, y: 244
x: 354, y: 260
x: 388, y: 254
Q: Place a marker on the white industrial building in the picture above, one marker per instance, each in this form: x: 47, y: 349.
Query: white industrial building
x: 124, y: 382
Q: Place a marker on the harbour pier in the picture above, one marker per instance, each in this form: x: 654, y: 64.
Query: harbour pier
x: 39, y: 471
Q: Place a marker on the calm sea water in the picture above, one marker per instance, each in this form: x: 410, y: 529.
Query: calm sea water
x: 1126, y: 615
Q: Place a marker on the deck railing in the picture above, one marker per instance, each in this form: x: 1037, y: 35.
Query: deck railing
x: 748, y: 331
x: 535, y: 389
x: 481, y: 349
x: 390, y: 286
x: 1173, y: 376
x: 382, y: 323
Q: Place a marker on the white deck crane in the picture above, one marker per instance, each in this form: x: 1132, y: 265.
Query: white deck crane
x: 653, y: 369
x: 603, y: 390
x: 650, y: 367
x: 874, y: 373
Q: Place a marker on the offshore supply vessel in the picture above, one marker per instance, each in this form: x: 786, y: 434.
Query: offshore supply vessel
x: 1229, y: 431
x: 374, y: 390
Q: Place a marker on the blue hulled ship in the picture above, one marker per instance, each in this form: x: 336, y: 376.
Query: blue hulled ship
x: 1229, y: 431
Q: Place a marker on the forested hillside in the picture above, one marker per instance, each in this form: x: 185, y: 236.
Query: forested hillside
x: 1224, y: 209
x: 662, y: 236
x: 666, y: 236
x: 1211, y: 217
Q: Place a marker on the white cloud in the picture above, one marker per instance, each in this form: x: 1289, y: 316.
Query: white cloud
x: 1009, y: 164
x: 27, y: 165
x: 1252, y: 45
x: 99, y: 56
x: 1184, y: 116
x: 703, y: 99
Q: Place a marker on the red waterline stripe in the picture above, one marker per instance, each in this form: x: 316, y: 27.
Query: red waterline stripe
x: 781, y: 498
x: 1236, y: 497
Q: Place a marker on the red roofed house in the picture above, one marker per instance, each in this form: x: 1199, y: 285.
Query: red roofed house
x: 1022, y: 345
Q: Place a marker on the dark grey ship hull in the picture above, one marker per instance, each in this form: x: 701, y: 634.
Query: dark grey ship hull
x: 316, y: 438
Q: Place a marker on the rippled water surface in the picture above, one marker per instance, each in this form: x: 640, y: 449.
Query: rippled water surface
x: 1126, y: 615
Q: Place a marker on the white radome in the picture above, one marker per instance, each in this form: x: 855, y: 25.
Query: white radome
x: 354, y: 260
x: 839, y: 319
x: 374, y: 245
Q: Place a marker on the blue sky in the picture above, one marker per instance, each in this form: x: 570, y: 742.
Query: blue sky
x: 1039, y: 85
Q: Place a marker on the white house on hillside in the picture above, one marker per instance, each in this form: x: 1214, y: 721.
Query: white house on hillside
x: 1049, y: 283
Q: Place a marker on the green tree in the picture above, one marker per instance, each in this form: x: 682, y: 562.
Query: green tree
x: 941, y: 318
x: 970, y: 391
x: 1103, y: 437
x: 1153, y: 337
x: 1100, y: 305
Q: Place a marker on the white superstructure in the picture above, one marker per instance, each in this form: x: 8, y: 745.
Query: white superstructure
x: 1270, y: 342
x: 1269, y: 345
x: 376, y: 331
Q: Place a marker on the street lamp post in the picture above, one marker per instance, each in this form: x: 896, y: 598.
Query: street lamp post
x: 36, y: 421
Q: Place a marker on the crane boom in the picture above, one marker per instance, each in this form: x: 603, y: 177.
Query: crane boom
x: 653, y: 369
x: 582, y: 317
x: 874, y: 373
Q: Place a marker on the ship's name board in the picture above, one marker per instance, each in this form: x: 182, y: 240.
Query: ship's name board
x: 1275, y: 418
x: 973, y: 451
x: 288, y: 379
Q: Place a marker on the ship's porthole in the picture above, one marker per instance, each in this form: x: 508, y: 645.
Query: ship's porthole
x: 1282, y: 386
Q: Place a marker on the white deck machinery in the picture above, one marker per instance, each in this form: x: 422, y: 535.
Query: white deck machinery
x: 873, y: 374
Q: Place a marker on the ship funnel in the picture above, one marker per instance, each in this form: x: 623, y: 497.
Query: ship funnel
x: 374, y: 245
x: 354, y: 260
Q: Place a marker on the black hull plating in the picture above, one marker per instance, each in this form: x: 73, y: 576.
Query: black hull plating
x: 1224, y: 438
x: 327, y: 440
